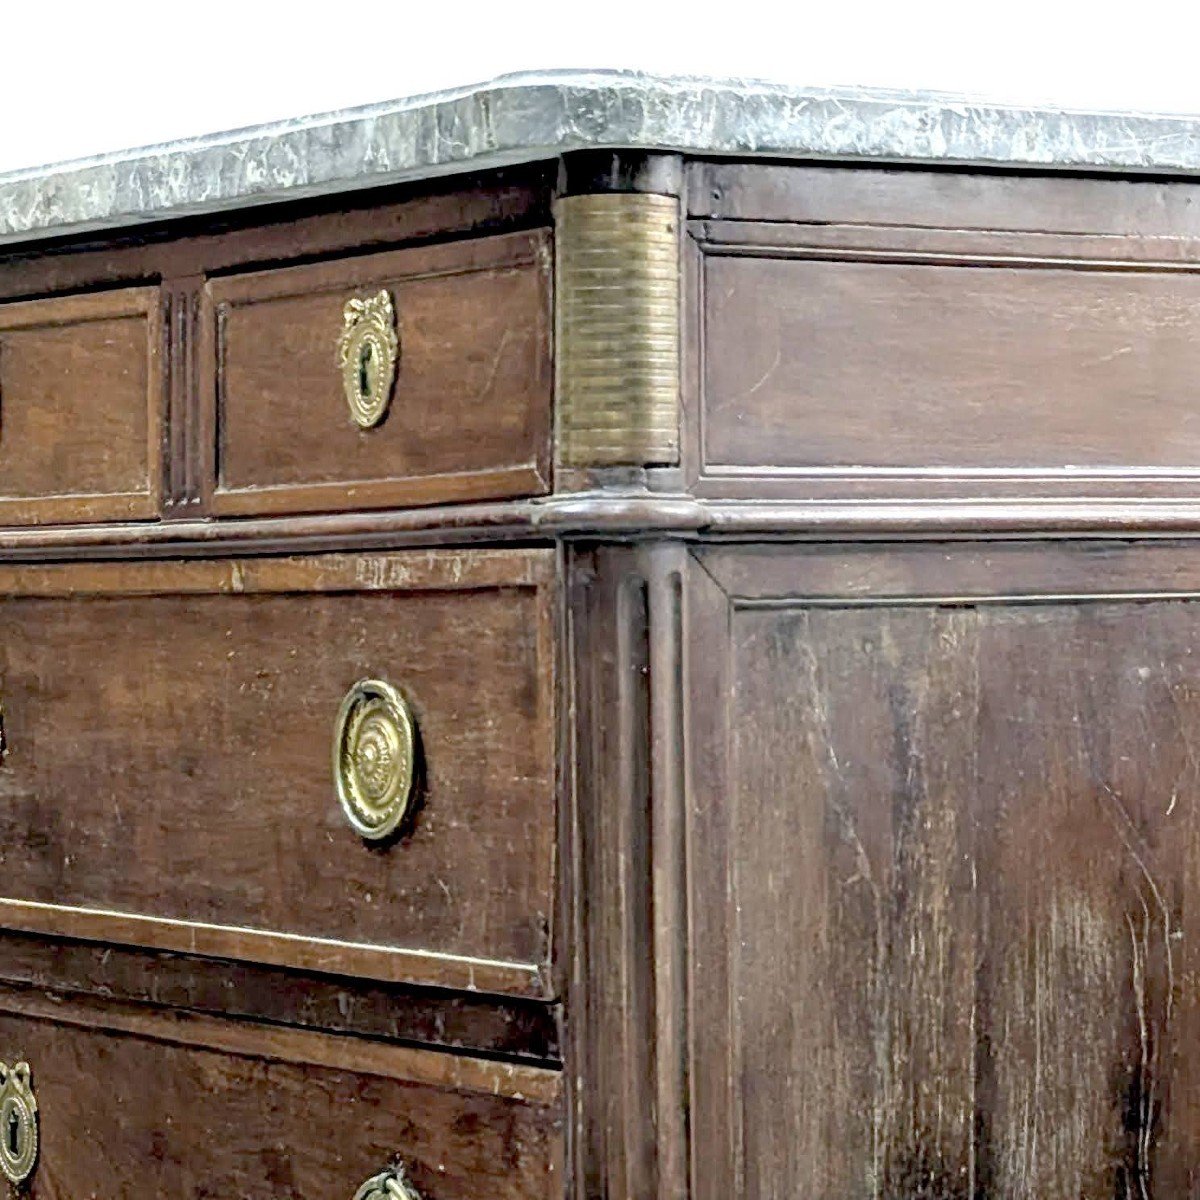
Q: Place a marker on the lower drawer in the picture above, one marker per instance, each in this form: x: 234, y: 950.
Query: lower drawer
x: 132, y: 1103
x: 168, y: 778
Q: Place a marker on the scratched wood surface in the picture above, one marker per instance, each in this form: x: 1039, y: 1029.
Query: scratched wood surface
x: 947, y: 916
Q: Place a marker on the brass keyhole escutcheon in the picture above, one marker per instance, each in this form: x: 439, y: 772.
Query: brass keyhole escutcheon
x: 368, y: 350
x: 18, y: 1123
x: 374, y: 758
x: 388, y: 1185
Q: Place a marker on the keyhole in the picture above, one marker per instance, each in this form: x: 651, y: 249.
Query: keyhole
x: 365, y: 356
x: 13, y: 1134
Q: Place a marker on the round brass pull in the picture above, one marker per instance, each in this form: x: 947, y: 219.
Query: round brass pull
x: 18, y: 1123
x: 388, y: 1185
x: 367, y: 352
x: 374, y: 753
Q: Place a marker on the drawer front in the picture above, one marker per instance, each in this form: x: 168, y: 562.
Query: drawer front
x: 882, y: 334
x: 157, y: 1107
x: 464, y: 393
x: 169, y: 777
x: 80, y: 408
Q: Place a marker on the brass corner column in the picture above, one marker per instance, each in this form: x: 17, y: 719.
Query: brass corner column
x: 618, y: 338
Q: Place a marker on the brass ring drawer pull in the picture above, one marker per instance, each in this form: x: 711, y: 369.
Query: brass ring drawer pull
x: 368, y: 350
x: 374, y: 758
x: 18, y: 1123
x: 388, y: 1185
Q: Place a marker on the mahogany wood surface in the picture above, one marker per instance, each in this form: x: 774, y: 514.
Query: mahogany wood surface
x: 503, y: 1027
x: 168, y: 783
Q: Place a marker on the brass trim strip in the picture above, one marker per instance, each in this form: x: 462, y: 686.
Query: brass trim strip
x: 618, y: 341
x: 304, y: 1047
x: 390, y: 964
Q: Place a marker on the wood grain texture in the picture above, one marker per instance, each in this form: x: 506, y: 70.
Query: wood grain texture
x: 129, y: 1113
x: 81, y: 400
x: 521, y: 1081
x: 470, y: 411
x: 171, y: 786
x: 943, y: 885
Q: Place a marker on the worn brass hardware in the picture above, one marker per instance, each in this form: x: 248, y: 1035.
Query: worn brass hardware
x: 618, y: 340
x: 388, y: 1185
x: 367, y: 354
x: 18, y: 1123
x: 374, y: 751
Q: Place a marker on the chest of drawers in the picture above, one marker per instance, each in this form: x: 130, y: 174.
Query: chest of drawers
x: 643, y: 651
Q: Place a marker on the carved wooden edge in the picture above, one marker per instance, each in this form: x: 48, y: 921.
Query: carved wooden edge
x: 625, y: 1050
x: 180, y: 333
x: 452, y: 206
x: 640, y: 516
x: 435, y: 1068
x: 617, y: 339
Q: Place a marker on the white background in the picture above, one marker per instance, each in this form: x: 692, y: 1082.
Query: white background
x: 84, y: 78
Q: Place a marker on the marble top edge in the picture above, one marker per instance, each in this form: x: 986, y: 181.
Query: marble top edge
x: 526, y: 117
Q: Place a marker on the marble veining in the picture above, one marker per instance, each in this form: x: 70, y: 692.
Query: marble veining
x: 521, y: 118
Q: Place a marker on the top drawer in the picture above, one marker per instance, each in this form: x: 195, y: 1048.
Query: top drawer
x: 447, y: 346
x: 80, y: 402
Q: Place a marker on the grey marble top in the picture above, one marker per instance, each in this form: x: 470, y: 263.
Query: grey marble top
x: 519, y: 118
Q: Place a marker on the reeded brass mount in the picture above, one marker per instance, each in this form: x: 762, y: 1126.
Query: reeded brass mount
x: 617, y: 345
